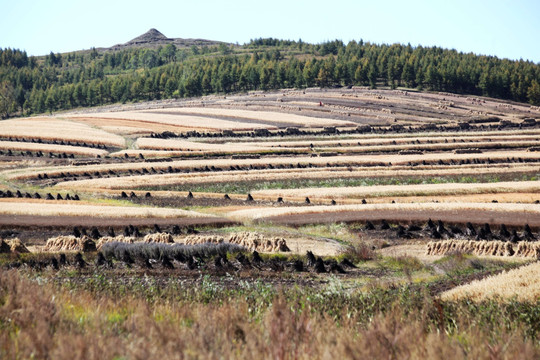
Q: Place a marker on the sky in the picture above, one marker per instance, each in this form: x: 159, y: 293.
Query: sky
x: 506, y: 29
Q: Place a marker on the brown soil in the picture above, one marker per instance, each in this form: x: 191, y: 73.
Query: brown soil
x: 461, y: 217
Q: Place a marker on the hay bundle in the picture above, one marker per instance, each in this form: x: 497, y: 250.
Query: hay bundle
x: 17, y: 246
x: 120, y: 238
x: 162, y: 238
x: 201, y: 239
x: 249, y: 240
x: 70, y: 243
x: 528, y: 249
x: 486, y: 248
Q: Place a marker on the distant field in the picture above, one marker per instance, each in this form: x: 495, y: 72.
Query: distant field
x: 55, y: 129
x: 54, y: 209
x: 49, y: 148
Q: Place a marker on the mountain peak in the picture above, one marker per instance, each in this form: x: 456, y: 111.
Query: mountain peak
x: 151, y: 35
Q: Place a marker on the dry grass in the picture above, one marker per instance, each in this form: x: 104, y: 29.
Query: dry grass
x: 46, y: 148
x: 250, y: 115
x: 262, y: 213
x: 51, y: 128
x: 47, y: 321
x: 406, y: 190
x: 521, y: 284
x: 101, y: 211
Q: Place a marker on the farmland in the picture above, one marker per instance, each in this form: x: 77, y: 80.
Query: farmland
x: 277, y: 224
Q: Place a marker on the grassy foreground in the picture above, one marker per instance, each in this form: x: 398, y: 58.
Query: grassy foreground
x: 104, y: 314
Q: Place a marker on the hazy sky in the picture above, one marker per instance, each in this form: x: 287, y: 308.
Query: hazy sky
x: 507, y: 29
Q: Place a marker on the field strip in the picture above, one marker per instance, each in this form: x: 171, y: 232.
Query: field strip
x: 331, y: 211
x: 58, y: 130
x: 131, y: 126
x: 54, y: 209
x: 521, y: 284
x: 436, y: 146
x: 276, y: 117
x: 130, y: 182
x: 405, y: 190
x: 397, y: 140
x: 353, y: 160
x: 174, y: 144
x: 186, y: 121
x: 35, y: 147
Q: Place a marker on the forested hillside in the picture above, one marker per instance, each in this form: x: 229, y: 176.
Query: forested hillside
x: 30, y: 85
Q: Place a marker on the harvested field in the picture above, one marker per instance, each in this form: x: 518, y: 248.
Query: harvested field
x: 98, y: 211
x: 161, y: 180
x: 520, y: 284
x: 57, y: 129
x: 48, y: 148
x: 304, y: 161
x: 405, y: 190
x: 185, y: 145
x: 179, y: 121
x: 274, y: 118
x: 479, y: 213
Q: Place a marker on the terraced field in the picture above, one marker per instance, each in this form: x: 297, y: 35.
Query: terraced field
x: 362, y: 201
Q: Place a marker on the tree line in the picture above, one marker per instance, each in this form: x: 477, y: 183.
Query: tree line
x: 30, y: 85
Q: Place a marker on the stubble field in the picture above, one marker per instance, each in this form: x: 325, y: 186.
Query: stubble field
x: 290, y: 224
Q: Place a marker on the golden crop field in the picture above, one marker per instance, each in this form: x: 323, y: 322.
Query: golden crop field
x: 57, y: 129
x: 520, y: 284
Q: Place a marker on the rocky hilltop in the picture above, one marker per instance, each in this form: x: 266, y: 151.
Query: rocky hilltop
x: 154, y: 38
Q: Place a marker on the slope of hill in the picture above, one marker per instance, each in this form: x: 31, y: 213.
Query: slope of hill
x: 153, y: 66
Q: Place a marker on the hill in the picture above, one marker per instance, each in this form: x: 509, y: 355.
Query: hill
x: 153, y: 38
x: 153, y: 66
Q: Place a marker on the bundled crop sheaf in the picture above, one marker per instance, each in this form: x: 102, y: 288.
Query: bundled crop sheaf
x: 528, y: 249
x: 156, y: 251
x: 70, y: 243
x: 249, y: 240
x: 493, y: 248
x: 120, y: 238
x: 16, y: 245
x: 164, y: 238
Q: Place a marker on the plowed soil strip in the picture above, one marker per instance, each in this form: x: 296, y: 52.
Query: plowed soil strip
x: 450, y: 216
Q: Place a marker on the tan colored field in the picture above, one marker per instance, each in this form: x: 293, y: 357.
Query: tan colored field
x: 263, y: 116
x: 353, y: 160
x: 128, y: 182
x: 262, y: 213
x: 53, y: 128
x: 405, y: 190
x: 178, y: 120
x: 521, y: 284
x: 185, y: 145
x: 102, y: 211
x: 399, y: 139
x: 34, y: 147
x: 131, y: 126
